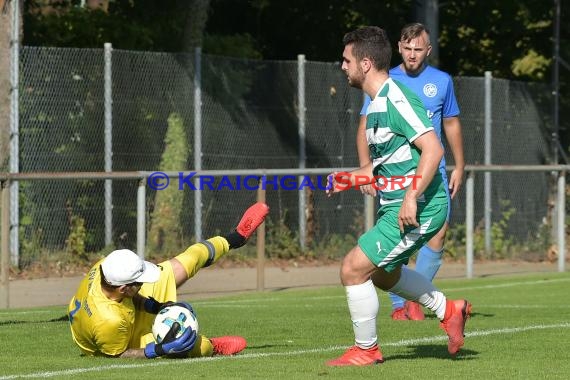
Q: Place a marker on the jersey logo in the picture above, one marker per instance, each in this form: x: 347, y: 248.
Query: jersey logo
x: 72, y: 313
x: 379, y: 248
x: 430, y: 90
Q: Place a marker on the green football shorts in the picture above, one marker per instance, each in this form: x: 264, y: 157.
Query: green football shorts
x: 389, y: 248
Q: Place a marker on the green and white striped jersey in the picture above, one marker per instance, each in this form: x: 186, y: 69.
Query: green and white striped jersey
x: 394, y: 119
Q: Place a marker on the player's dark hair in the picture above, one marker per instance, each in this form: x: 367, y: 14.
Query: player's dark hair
x: 370, y: 42
x: 413, y: 30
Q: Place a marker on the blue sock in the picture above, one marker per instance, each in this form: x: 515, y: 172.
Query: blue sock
x: 397, y: 301
x: 428, y: 262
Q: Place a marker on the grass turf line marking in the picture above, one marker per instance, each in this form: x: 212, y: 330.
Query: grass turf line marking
x: 255, y: 303
x: 158, y: 363
x: 218, y: 303
x: 506, y: 306
x: 229, y: 303
x: 510, y: 284
x: 232, y: 303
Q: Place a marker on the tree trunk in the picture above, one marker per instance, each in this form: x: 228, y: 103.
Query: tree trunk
x: 5, y: 37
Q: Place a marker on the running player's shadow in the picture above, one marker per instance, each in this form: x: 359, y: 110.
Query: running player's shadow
x: 264, y: 346
x: 473, y: 314
x: 433, y: 351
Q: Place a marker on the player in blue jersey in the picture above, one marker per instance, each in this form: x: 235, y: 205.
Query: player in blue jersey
x: 435, y: 89
x: 405, y: 154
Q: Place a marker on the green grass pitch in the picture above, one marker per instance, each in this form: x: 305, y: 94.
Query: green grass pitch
x: 520, y: 329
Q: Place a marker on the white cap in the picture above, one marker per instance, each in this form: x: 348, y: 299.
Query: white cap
x: 123, y: 267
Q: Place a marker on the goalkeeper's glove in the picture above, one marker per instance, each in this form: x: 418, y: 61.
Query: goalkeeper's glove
x: 171, y: 345
x: 152, y: 306
x: 185, y: 305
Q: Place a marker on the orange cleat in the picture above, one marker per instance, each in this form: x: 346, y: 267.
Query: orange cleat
x: 358, y: 357
x: 228, y: 345
x: 399, y: 314
x: 251, y: 219
x: 456, y: 314
x: 414, y: 311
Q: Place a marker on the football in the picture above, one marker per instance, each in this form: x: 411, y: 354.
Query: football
x: 170, y: 314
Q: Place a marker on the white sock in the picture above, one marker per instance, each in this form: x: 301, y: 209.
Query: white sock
x: 363, y: 306
x: 415, y: 287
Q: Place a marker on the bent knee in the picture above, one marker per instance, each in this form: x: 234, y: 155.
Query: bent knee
x: 356, y: 268
x: 386, y: 280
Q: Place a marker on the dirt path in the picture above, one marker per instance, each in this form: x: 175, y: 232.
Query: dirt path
x: 213, y: 282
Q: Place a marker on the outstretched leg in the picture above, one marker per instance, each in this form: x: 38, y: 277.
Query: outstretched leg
x: 221, y: 345
x: 207, y: 252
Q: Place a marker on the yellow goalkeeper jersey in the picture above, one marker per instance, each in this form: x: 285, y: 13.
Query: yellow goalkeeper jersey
x: 101, y: 326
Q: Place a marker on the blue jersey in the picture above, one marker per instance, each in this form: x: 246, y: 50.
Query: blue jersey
x: 435, y: 89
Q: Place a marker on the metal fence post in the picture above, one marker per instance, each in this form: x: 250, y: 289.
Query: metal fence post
x: 108, y: 144
x: 141, y: 217
x: 469, y: 222
x: 197, y: 140
x: 15, y: 132
x: 369, y: 212
x: 561, y: 216
x: 5, y: 259
x: 260, y: 245
x: 488, y: 137
x: 301, y: 110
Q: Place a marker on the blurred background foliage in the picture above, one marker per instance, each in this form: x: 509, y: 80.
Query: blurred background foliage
x: 513, y: 40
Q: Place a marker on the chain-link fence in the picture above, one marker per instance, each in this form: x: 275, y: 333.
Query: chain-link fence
x: 248, y: 118
x: 519, y: 136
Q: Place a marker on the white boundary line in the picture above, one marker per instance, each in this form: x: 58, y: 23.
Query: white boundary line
x: 224, y: 303
x: 510, y: 284
x: 158, y: 363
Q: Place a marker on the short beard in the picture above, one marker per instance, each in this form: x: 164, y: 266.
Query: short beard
x: 414, y: 72
x: 357, y: 80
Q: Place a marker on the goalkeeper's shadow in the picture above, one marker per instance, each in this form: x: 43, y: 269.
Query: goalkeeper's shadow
x: 432, y: 351
x: 264, y: 346
x: 16, y: 322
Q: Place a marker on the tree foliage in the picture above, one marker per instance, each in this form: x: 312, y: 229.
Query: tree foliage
x: 140, y: 25
x: 476, y: 37
x: 165, y: 233
x: 284, y: 29
x: 513, y: 40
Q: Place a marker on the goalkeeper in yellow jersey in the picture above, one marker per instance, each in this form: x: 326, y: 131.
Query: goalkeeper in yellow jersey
x: 113, y: 310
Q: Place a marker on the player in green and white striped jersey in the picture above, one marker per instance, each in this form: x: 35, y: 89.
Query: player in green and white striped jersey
x: 405, y: 154
x: 395, y: 118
